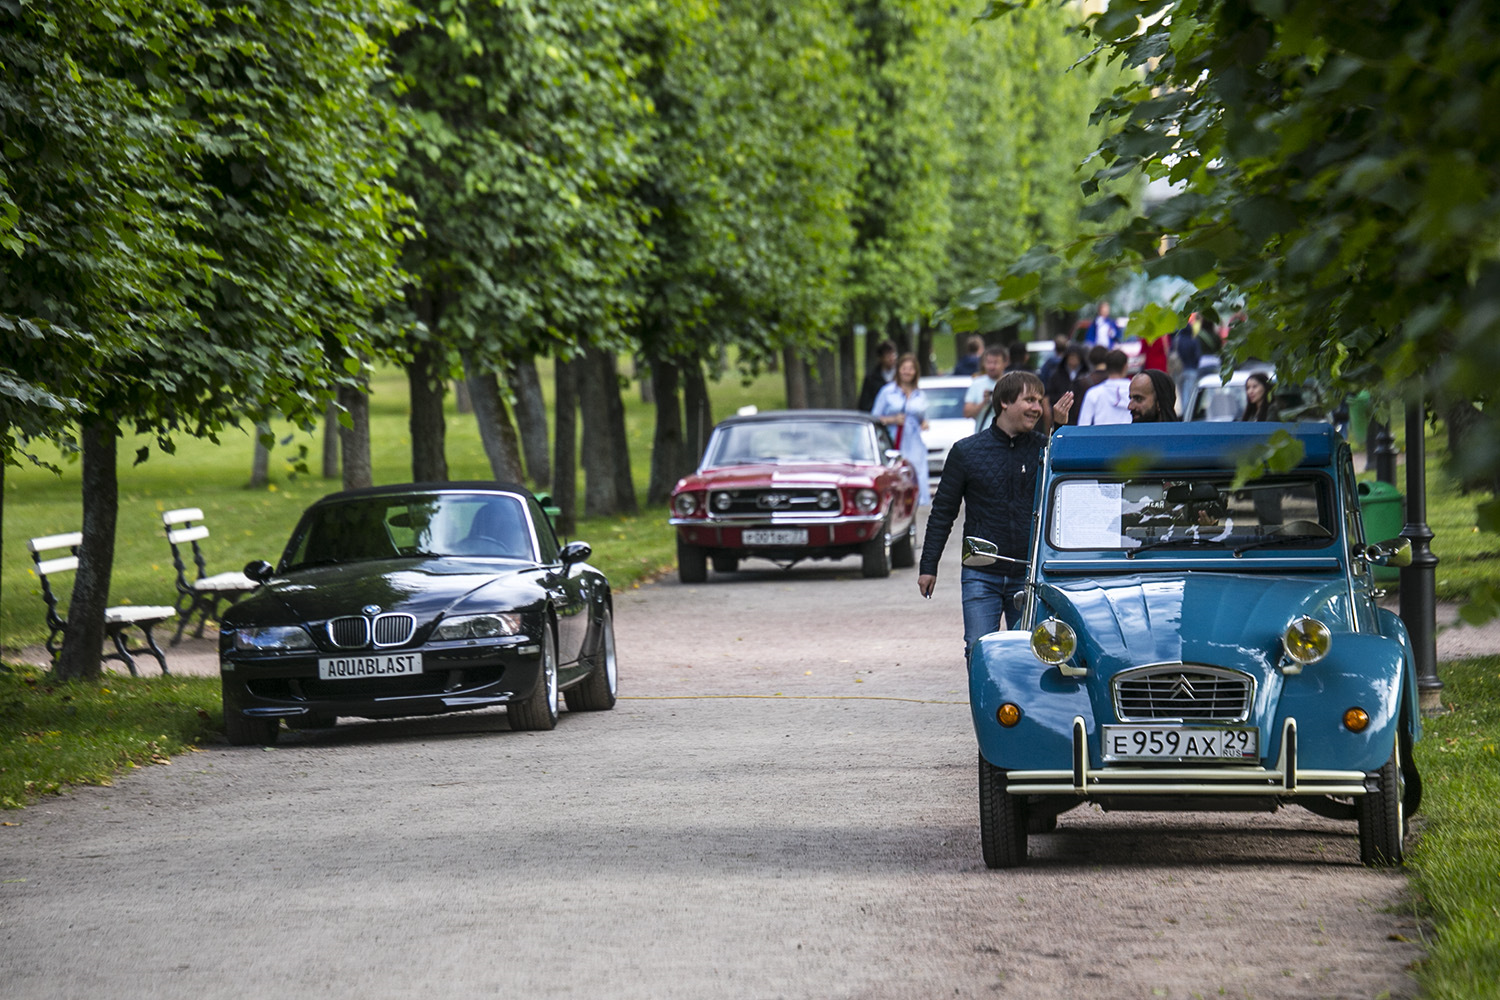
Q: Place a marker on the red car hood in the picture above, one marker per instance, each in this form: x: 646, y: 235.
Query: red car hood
x: 810, y: 474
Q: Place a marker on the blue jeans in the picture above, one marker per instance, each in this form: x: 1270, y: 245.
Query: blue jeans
x: 988, y: 596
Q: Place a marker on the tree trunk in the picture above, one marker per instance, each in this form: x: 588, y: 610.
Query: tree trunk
x: 619, y: 439
x: 496, y: 433
x: 354, y: 440
x: 668, y: 443
x: 697, y: 411
x: 331, y: 442
x: 795, y: 377
x: 643, y: 378
x: 848, y: 370
x: 531, y: 418
x: 823, y: 390
x: 84, y: 641
x: 427, y: 376
x: 924, y: 351
x: 565, y: 445
x: 260, y: 464
x: 461, y: 401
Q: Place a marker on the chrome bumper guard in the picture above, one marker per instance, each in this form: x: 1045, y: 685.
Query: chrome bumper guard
x: 1286, y: 778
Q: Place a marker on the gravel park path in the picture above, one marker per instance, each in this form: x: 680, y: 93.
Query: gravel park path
x: 782, y: 805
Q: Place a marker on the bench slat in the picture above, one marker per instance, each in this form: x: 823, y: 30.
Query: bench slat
x: 66, y: 541
x: 179, y: 535
x: 61, y: 564
x: 132, y: 613
x: 225, y: 581
x: 183, y: 514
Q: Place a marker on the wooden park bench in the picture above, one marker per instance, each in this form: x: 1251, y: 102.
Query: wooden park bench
x: 198, y: 595
x: 117, y: 621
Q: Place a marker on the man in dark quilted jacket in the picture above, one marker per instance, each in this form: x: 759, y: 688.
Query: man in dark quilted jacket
x: 993, y: 474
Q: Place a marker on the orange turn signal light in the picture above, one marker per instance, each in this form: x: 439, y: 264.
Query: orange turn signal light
x: 1008, y: 715
x: 1356, y: 719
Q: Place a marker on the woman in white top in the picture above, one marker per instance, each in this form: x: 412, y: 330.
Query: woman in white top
x: 902, y: 407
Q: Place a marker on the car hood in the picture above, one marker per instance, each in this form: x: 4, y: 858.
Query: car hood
x: 1211, y: 618
x: 768, y: 474
x: 421, y: 587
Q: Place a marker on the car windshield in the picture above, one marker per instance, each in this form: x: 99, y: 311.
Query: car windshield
x: 424, y: 524
x: 1220, y: 402
x: 1171, y: 511
x: 790, y: 441
x: 945, y: 402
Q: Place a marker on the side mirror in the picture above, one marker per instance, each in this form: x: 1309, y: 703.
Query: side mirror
x: 1391, y: 552
x: 979, y: 552
x: 575, y: 552
x: 892, y: 456
x: 259, y: 570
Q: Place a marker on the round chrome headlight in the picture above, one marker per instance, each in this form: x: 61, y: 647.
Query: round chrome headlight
x: 685, y: 504
x: 1053, y: 642
x: 828, y: 499
x: 866, y: 500
x: 1307, y: 640
x: 721, y: 502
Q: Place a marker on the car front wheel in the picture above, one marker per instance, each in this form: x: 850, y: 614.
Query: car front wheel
x: 596, y: 693
x: 1382, y: 815
x: 875, y: 555
x: 904, y: 549
x: 692, y: 563
x: 248, y: 731
x: 1002, y: 820
x: 539, y: 712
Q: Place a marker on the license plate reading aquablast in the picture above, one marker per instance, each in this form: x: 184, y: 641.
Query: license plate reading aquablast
x: 344, y: 668
x: 1180, y: 743
x: 774, y: 536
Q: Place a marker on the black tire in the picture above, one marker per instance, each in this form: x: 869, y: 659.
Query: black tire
x: 875, y: 556
x: 692, y: 563
x: 1002, y: 820
x: 1382, y: 816
x: 726, y: 563
x: 596, y: 693
x: 245, y: 731
x: 538, y: 713
x: 312, y: 720
x: 904, y: 549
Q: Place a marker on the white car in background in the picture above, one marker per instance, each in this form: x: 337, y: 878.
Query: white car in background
x: 946, y: 422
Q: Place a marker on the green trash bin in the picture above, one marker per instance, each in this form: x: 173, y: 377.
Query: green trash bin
x: 1381, y: 507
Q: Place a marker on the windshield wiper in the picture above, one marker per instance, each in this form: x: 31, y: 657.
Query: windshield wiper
x: 1261, y: 543
x: 1165, y: 542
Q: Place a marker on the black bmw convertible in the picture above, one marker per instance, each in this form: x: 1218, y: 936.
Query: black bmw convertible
x: 417, y: 600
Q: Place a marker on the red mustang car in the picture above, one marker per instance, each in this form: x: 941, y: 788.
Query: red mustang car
x: 793, y: 485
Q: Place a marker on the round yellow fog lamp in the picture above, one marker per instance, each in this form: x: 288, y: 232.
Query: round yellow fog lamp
x: 1356, y: 719
x: 1307, y: 640
x: 1008, y: 714
x: 1053, y: 642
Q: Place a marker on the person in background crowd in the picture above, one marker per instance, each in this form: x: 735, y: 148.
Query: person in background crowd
x: 1108, y: 402
x: 1071, y: 367
x: 993, y: 476
x: 1258, y: 402
x: 1153, y: 397
x: 1091, y: 377
x: 1105, y: 329
x: 1189, y: 350
x: 977, y: 398
x: 1020, y: 358
x: 1060, y: 345
x: 880, y: 373
x: 969, y: 363
x: 902, y: 406
x: 1154, y: 353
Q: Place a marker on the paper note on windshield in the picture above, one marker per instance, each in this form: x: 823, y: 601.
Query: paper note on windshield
x: 1087, y: 515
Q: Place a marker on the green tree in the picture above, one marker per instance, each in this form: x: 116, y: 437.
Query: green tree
x: 528, y: 132
x: 197, y: 193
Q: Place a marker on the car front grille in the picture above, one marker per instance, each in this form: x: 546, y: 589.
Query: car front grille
x: 760, y: 503
x: 1183, y: 691
x: 357, y: 632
